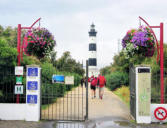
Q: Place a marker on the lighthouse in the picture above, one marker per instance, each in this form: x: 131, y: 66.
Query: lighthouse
x: 92, y: 61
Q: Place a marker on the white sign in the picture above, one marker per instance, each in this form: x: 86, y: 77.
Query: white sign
x: 19, y: 70
x: 18, y: 89
x: 69, y: 80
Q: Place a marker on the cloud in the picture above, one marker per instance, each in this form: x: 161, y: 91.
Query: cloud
x: 69, y: 21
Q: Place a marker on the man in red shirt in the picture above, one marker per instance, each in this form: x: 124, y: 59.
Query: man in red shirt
x: 102, y: 83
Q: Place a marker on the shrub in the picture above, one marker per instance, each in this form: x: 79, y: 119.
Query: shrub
x: 51, y: 91
x: 116, y: 79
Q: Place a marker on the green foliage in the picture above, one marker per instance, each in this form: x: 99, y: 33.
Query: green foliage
x: 29, y: 60
x: 7, y: 54
x: 68, y: 64
x: 8, y: 57
x: 55, y: 90
x: 105, y: 70
x: 124, y: 93
x: 9, y: 35
x: 121, y: 64
x: 116, y: 80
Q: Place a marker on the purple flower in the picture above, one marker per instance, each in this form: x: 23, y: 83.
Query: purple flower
x: 140, y: 39
x: 126, y: 38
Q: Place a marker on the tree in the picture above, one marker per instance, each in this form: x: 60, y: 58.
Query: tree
x: 10, y: 35
x: 8, y: 55
x: 53, y: 57
x: 68, y: 64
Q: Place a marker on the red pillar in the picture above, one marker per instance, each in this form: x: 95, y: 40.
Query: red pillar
x: 18, y: 51
x: 162, y: 63
x: 18, y: 43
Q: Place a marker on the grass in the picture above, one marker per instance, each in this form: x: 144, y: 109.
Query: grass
x: 124, y: 93
x: 45, y: 106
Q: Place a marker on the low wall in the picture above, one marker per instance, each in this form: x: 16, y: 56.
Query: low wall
x: 13, y: 111
x: 19, y: 112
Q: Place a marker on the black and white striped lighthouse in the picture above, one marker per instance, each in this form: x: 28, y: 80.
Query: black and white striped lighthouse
x: 92, y: 52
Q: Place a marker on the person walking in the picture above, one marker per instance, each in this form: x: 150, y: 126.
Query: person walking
x: 82, y: 81
x: 85, y: 81
x: 102, y: 83
x: 93, y: 87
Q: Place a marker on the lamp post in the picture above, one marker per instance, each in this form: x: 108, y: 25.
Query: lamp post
x: 161, y: 54
x: 19, y: 48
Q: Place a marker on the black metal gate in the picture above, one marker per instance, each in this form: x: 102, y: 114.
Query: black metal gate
x: 64, y: 102
x: 132, y: 79
x: 59, y: 105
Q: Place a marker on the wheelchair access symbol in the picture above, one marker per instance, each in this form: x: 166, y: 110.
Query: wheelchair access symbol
x: 160, y: 113
x: 33, y: 72
x: 32, y: 85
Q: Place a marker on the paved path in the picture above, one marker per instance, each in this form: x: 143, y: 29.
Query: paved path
x: 67, y: 107
x: 110, y: 106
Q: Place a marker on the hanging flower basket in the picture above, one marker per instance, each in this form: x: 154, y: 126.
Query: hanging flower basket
x: 38, y: 42
x: 139, y: 41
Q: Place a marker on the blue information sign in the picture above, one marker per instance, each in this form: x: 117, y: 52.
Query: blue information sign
x: 32, y: 85
x: 32, y: 71
x: 58, y: 79
x: 32, y: 99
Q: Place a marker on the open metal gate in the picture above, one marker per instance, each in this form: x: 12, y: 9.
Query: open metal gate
x: 64, y: 102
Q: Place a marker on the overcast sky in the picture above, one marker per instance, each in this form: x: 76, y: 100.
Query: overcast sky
x: 69, y: 21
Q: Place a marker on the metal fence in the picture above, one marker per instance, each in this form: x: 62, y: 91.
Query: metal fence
x: 7, y: 85
x: 156, y: 87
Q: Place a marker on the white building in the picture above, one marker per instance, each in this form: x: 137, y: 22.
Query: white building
x: 92, y: 61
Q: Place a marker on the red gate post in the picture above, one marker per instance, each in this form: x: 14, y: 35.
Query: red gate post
x: 162, y: 62
x: 18, y: 51
x: 19, y: 46
x: 161, y: 55
x: 18, y: 43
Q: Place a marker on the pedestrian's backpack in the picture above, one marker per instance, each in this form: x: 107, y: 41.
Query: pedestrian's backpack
x: 102, y: 80
x: 94, y: 82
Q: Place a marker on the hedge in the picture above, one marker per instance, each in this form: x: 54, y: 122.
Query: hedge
x: 116, y: 80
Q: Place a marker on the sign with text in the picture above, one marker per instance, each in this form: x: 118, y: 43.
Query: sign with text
x: 32, y: 85
x: 32, y: 72
x: 32, y: 99
x: 19, y: 80
x: 144, y: 93
x: 57, y: 79
x: 19, y: 70
x: 69, y: 80
x: 18, y: 89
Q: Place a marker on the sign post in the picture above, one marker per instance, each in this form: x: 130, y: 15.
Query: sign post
x: 33, y: 83
x: 18, y: 87
x: 143, y: 94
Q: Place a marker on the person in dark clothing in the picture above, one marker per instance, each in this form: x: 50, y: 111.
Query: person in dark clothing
x: 82, y: 82
x: 85, y: 82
